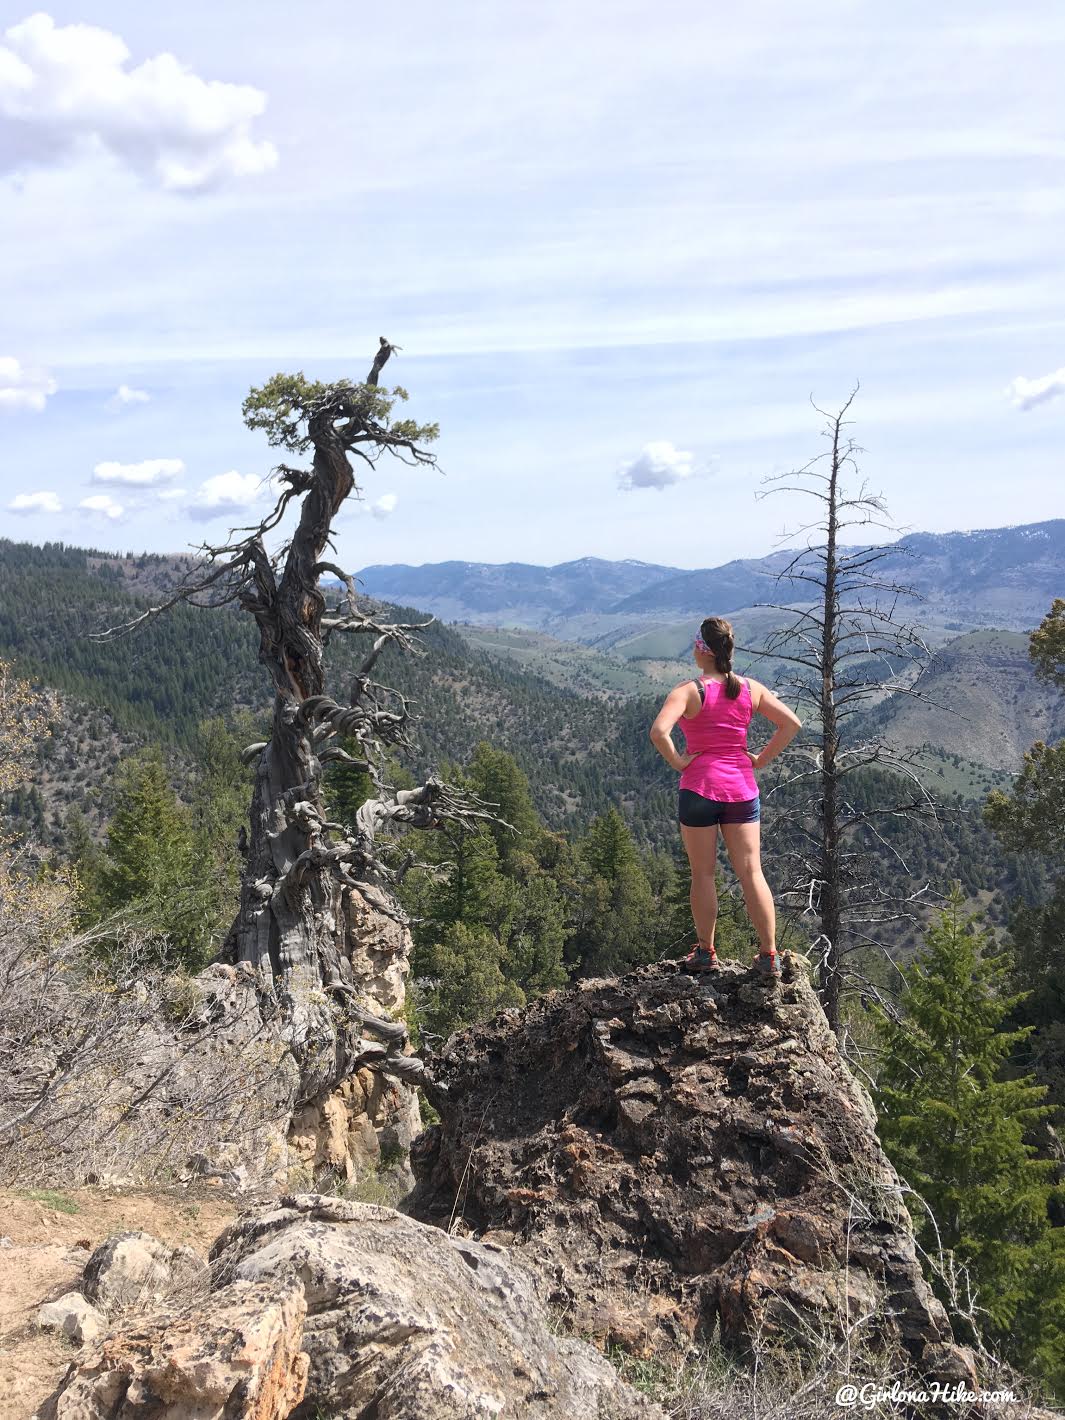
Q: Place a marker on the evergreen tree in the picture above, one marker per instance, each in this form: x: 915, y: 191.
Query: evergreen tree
x: 348, y: 786
x: 617, y: 918
x: 957, y: 1130
x: 86, y: 859
x: 1031, y: 819
x: 1037, y: 935
x: 148, y: 839
x: 157, y: 869
x: 496, y: 777
x: 464, y: 980
x: 494, y: 888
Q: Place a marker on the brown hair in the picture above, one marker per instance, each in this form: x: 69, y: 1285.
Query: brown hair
x: 717, y: 633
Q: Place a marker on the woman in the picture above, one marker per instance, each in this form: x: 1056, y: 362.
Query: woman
x: 718, y: 787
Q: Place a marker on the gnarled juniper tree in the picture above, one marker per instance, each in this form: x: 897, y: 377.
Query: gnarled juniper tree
x: 295, y: 920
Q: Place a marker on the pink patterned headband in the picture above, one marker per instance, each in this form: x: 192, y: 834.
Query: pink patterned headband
x: 700, y: 645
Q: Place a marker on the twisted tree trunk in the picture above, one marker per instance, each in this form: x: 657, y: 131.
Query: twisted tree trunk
x: 292, y: 925
x: 318, y: 921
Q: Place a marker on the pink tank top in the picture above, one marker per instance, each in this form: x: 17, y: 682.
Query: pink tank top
x: 718, y: 736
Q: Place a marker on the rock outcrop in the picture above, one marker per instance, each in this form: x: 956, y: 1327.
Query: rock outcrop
x: 366, y: 1122
x: 238, y: 1357
x: 134, y: 1269
x: 681, y: 1156
x: 405, y: 1323
x: 349, y: 1310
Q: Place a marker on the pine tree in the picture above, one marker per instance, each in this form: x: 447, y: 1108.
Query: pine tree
x: 152, y: 873
x: 496, y: 777
x: 86, y: 859
x: 148, y: 836
x: 463, y: 980
x: 1037, y: 935
x: 617, y: 912
x: 956, y: 1128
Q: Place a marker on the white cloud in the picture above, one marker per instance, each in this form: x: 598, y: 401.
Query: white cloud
x: 230, y: 492
x: 103, y: 505
x: 27, y: 503
x: 21, y: 388
x: 68, y: 89
x: 658, y: 465
x: 125, y: 395
x: 384, y: 506
x: 167, y: 495
x: 144, y: 474
x: 1026, y: 394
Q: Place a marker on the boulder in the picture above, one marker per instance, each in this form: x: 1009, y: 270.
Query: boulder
x: 238, y: 1357
x: 134, y: 1270
x: 681, y: 1156
x: 74, y: 1316
x: 406, y: 1323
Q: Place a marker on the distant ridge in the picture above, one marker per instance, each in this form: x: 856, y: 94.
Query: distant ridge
x: 1003, y: 577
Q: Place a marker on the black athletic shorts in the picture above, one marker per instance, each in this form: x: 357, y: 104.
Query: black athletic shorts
x: 696, y: 812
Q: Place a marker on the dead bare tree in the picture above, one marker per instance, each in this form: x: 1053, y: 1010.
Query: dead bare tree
x: 295, y: 921
x: 843, y: 647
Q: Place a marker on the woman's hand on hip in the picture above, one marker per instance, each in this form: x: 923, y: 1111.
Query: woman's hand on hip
x: 756, y: 761
x: 683, y: 760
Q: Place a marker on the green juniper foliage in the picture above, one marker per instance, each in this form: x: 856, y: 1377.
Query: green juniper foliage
x: 280, y: 408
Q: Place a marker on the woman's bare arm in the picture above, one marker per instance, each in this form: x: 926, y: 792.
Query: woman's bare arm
x: 777, y: 713
x: 673, y: 707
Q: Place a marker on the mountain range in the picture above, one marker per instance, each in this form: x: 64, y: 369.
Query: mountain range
x: 1002, y: 577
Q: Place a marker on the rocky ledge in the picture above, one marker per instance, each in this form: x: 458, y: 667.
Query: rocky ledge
x: 681, y: 1156
x: 321, y: 1307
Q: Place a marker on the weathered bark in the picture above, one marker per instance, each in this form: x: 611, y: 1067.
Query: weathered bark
x: 318, y: 920
x: 292, y: 922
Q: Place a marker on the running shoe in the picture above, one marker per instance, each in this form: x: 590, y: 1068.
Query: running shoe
x: 701, y: 958
x: 767, y: 964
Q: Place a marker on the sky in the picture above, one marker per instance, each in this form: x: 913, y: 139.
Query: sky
x: 622, y: 247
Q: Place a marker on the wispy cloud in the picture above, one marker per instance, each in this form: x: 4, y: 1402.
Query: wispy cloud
x: 126, y: 395
x: 103, y: 506
x: 657, y: 466
x: 1026, y: 394
x: 145, y: 474
x: 26, y: 504
x: 591, y: 226
x: 22, y: 388
x: 68, y: 89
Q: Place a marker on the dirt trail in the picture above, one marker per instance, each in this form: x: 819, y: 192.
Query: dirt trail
x: 51, y: 1235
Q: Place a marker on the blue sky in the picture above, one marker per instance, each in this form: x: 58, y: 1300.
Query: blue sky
x: 620, y: 244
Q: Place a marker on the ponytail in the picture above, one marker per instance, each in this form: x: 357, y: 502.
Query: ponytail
x: 716, y: 633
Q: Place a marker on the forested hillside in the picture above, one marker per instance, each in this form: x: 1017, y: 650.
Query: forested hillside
x: 582, y: 754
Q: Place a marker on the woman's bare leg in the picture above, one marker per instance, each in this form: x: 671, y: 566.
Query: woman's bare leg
x: 743, y: 843
x: 700, y: 844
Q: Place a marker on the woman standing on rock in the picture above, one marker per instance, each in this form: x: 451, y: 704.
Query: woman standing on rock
x: 718, y: 787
